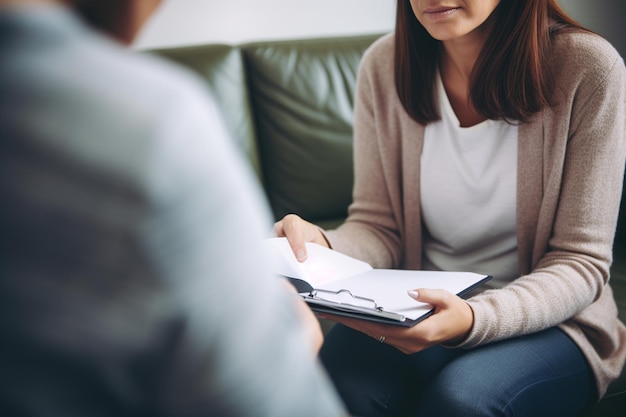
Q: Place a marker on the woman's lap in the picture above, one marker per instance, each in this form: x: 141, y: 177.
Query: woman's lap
x: 540, y: 374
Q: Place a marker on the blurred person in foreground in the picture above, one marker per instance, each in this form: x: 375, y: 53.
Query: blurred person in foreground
x: 132, y: 282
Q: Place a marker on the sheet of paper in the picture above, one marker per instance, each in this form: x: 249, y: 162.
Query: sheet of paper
x: 322, y: 266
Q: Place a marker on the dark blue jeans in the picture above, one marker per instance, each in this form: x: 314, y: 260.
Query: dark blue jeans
x: 543, y: 374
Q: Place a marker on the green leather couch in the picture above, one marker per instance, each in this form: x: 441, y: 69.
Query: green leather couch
x: 289, y: 105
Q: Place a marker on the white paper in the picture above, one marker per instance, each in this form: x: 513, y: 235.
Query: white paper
x: 323, y: 265
x: 328, y: 270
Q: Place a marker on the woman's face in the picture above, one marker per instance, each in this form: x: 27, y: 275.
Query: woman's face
x: 452, y: 19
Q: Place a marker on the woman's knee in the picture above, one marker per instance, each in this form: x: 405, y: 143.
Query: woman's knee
x: 539, y: 375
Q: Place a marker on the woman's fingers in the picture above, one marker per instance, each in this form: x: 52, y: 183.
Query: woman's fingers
x: 451, y: 322
x: 298, y: 231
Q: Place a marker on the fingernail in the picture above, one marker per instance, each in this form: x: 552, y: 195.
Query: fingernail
x: 301, y: 255
x: 413, y: 294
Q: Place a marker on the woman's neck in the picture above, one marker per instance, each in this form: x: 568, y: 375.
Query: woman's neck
x: 460, y: 54
x: 457, y: 61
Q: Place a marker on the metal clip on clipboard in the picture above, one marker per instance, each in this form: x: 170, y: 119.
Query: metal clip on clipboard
x: 373, y: 309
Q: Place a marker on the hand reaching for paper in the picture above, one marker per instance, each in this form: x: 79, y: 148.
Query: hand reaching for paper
x: 298, y: 231
x: 451, y: 321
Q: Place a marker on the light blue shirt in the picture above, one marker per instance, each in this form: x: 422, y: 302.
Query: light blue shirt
x: 130, y: 230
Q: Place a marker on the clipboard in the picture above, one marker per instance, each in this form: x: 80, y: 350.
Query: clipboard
x: 381, y: 294
x: 334, y: 283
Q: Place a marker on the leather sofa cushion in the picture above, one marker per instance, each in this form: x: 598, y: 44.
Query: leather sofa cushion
x: 302, y: 93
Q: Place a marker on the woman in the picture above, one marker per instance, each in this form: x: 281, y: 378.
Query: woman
x: 490, y: 137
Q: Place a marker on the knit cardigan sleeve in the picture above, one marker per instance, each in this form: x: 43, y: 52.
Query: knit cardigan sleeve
x: 584, y: 147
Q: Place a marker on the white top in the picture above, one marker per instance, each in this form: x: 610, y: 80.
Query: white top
x: 468, y: 196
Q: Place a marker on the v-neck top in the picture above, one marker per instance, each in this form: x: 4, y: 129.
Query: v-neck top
x: 468, y: 189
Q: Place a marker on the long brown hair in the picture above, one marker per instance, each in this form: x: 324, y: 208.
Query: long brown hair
x: 120, y: 19
x: 510, y: 80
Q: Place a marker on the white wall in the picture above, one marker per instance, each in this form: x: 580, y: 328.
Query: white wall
x: 188, y: 22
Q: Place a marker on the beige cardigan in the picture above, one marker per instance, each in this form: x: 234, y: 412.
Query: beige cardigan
x: 570, y: 171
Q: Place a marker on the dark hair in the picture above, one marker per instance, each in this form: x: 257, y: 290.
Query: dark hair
x: 103, y: 15
x: 509, y: 81
x: 120, y: 19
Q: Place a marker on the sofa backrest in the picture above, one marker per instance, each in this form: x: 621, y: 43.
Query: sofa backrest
x: 302, y: 93
x: 289, y: 105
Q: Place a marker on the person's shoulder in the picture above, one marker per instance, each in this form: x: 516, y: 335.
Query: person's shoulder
x: 585, y: 44
x: 378, y: 58
x: 151, y: 79
x: 147, y: 118
x: 578, y: 55
x: 381, y: 48
x: 380, y: 51
x: 147, y: 93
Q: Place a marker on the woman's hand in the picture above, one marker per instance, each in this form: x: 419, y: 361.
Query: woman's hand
x: 451, y: 322
x: 298, y: 231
